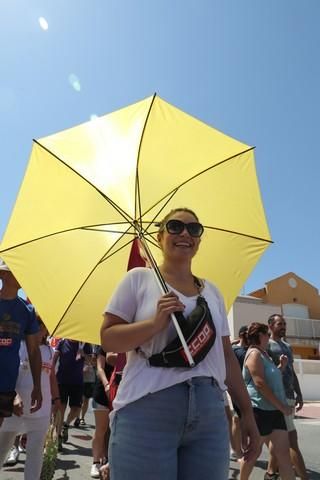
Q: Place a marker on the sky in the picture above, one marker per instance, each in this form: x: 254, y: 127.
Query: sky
x: 250, y: 68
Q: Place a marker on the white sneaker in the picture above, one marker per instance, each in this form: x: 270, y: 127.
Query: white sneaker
x: 13, y: 456
x: 234, y: 456
x: 94, y: 472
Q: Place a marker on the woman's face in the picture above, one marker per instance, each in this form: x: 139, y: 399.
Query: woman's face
x: 182, y: 245
x: 264, y: 340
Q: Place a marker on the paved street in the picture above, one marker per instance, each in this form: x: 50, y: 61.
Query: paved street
x: 75, y: 462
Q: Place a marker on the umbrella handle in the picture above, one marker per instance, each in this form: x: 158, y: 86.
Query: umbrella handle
x: 164, y: 289
x: 182, y: 340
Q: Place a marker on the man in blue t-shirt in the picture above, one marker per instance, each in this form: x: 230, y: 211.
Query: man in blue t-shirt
x: 17, y: 321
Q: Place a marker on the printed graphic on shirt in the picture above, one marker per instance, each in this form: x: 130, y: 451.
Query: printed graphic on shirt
x: 9, y: 329
x: 5, y: 342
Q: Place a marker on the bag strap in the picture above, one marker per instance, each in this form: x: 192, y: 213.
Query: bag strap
x: 198, y: 283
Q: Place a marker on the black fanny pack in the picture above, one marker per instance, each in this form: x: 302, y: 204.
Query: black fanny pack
x: 199, y: 331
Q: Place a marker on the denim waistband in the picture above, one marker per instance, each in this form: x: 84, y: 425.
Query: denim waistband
x: 201, y: 380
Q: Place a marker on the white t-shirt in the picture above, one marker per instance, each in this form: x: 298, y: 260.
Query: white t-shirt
x: 24, y: 387
x: 135, y: 300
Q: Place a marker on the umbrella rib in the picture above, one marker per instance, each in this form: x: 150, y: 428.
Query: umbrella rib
x: 161, y: 209
x: 215, y: 165
x: 220, y: 230
x: 89, y: 228
x: 86, y: 227
x: 124, y: 214
x: 174, y: 191
x: 238, y: 233
x: 102, y: 259
x: 106, y: 256
x: 137, y: 185
x: 151, y: 240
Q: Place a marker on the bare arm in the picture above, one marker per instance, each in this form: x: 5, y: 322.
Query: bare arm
x: 55, y: 394
x: 101, y: 362
x: 256, y: 369
x: 17, y: 406
x: 118, y: 336
x: 297, y: 389
x: 54, y: 384
x: 283, y: 362
x: 35, y: 361
x: 111, y: 358
x: 236, y: 388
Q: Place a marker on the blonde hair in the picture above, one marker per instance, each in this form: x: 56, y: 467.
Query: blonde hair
x: 163, y: 222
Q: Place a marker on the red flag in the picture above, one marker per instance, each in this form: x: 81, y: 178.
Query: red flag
x: 135, y: 259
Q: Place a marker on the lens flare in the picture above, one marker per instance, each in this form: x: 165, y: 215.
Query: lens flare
x: 43, y: 23
x: 74, y: 82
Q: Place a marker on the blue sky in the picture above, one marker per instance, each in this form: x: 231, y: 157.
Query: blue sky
x: 250, y: 68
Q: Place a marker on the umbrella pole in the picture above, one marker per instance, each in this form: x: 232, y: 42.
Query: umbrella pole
x: 163, y: 287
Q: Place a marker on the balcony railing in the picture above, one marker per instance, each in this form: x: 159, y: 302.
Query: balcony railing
x: 306, y: 330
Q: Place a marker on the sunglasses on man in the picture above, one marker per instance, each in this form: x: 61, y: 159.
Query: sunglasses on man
x: 175, y: 227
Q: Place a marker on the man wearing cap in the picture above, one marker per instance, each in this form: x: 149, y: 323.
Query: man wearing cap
x: 17, y: 321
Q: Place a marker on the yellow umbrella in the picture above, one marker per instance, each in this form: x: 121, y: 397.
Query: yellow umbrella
x: 89, y: 189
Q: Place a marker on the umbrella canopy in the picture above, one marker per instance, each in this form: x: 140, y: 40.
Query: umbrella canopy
x: 89, y: 189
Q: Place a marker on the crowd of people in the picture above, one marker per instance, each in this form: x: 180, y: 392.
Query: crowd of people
x: 155, y: 417
x: 267, y: 363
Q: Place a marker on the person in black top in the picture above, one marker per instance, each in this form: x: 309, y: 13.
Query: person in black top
x: 239, y: 348
x: 100, y: 406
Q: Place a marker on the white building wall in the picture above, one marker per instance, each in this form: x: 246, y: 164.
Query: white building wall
x: 308, y: 373
x: 246, y: 310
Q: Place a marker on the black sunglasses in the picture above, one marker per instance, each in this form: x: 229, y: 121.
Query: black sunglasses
x: 175, y: 227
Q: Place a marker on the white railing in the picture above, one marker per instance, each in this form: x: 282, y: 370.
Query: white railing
x: 303, y: 328
x: 308, y: 373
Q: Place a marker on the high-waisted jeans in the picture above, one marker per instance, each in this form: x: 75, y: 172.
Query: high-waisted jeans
x: 179, y: 433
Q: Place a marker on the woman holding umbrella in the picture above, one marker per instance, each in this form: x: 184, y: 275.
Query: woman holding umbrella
x: 170, y: 422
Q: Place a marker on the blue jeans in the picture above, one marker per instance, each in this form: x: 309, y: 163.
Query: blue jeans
x: 179, y: 433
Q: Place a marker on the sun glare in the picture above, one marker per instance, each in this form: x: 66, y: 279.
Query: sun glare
x: 43, y: 23
x: 74, y: 82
